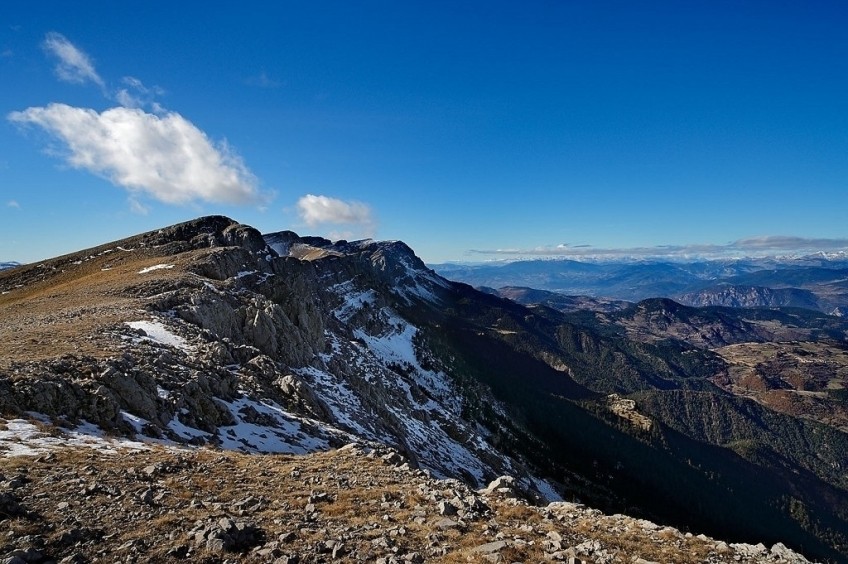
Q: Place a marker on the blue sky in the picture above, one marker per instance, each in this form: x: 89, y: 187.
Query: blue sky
x: 470, y: 130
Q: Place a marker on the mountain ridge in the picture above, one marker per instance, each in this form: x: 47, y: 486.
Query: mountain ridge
x: 203, y: 333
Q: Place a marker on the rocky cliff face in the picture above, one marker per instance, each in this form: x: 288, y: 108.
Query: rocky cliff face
x: 281, y: 344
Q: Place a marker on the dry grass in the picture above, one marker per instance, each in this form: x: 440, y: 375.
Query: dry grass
x: 66, y: 308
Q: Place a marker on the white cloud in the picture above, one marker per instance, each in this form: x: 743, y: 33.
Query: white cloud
x: 319, y: 210
x: 74, y: 65
x: 162, y: 156
x: 13, y: 204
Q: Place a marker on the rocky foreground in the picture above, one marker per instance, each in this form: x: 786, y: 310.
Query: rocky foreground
x: 148, y: 503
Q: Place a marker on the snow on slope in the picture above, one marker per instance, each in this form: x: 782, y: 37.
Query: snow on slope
x: 155, y: 267
x: 384, y: 394
x: 32, y: 437
x: 155, y: 331
x: 260, y: 427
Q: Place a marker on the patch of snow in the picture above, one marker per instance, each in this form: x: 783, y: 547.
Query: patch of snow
x: 276, y: 430
x: 184, y: 430
x: 18, y: 437
x: 396, y: 347
x: 137, y: 422
x: 354, y: 302
x: 212, y: 287
x: 424, y: 413
x: 158, y: 333
x: 418, y: 283
x: 88, y: 430
x: 163, y: 393
x: 282, y: 249
x: 337, y: 395
x: 23, y: 437
x: 155, y: 267
x: 430, y: 439
x: 261, y: 277
x: 39, y: 417
x: 547, y: 490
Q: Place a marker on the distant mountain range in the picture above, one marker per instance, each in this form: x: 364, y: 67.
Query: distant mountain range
x: 5, y: 265
x: 818, y: 282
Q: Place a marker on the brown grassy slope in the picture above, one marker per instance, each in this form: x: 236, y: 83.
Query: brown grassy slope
x: 62, y: 305
x: 67, y: 305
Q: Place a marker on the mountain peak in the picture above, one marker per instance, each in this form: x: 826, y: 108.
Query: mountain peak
x: 392, y: 262
x: 210, y: 231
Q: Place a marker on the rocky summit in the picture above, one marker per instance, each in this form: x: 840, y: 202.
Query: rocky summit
x: 210, y: 393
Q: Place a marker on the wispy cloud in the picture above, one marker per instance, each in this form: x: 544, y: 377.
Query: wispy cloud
x: 135, y: 94
x: 754, y: 246
x: 137, y: 207
x: 73, y: 64
x: 163, y: 156
x: 13, y: 204
x: 786, y: 243
x: 262, y: 80
x: 316, y: 211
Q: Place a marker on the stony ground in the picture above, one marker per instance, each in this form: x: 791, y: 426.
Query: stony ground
x: 355, y: 504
